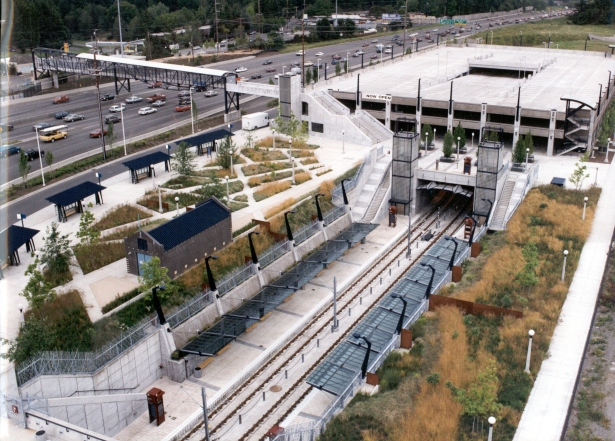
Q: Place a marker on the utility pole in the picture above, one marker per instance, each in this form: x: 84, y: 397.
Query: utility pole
x: 405, y: 27
x: 260, y: 18
x: 216, y: 19
x: 97, y: 73
x: 303, y: 46
x: 119, y: 23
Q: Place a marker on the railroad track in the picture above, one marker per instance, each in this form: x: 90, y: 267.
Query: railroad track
x: 243, y: 399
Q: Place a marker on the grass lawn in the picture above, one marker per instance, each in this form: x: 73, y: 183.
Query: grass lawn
x: 271, y: 177
x: 121, y: 233
x: 564, y: 35
x: 260, y: 155
x: 93, y: 257
x: 265, y: 167
x: 271, y: 189
x: 120, y: 215
x: 180, y: 182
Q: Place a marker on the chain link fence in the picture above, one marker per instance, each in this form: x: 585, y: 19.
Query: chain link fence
x: 273, y: 253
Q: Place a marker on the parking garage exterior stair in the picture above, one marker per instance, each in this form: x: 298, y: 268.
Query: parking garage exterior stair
x: 376, y: 181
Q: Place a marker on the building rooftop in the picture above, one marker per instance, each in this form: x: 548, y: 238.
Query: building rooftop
x: 564, y: 73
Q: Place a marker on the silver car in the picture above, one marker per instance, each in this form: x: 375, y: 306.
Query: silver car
x: 134, y: 99
x: 73, y: 117
x: 210, y: 93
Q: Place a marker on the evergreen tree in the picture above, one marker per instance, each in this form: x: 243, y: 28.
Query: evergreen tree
x: 460, y: 132
x: 226, y: 150
x: 447, y: 145
x: 56, y: 252
x: 24, y: 167
x: 338, y: 69
x: 529, y: 142
x: 308, y: 76
x: 426, y: 128
x: 183, y: 160
x: 519, y: 151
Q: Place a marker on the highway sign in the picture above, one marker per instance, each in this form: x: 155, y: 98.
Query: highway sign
x: 455, y: 22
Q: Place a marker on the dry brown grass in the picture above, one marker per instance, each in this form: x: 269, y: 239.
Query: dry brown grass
x: 309, y: 161
x: 120, y: 215
x: 327, y: 187
x: 300, y: 178
x: 271, y: 189
x: 279, y: 207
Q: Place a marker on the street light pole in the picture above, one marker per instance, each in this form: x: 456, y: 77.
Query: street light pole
x: 227, y: 192
x: 426, y: 138
x: 100, y: 117
x: 564, y: 266
x: 491, y: 421
x: 176, y: 206
x: 527, y: 157
x: 529, y: 351
x: 343, y: 143
x: 40, y: 158
x: 458, y: 141
x: 584, y: 206
x: 205, y: 419
x: 192, y: 113
x: 123, y: 130
x: 335, y: 326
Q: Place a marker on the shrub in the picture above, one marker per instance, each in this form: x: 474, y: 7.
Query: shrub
x: 309, y: 161
x: 120, y: 215
x: 97, y: 255
x: 300, y: 178
x: 447, y: 146
x: 271, y: 189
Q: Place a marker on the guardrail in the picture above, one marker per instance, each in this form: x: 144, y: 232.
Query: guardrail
x: 306, y: 232
x: 238, y: 276
x: 273, y: 253
x: 189, y: 308
x: 333, y: 214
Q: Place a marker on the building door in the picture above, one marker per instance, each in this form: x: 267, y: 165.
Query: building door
x: 141, y: 259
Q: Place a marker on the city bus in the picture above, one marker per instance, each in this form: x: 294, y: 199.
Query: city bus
x: 52, y: 133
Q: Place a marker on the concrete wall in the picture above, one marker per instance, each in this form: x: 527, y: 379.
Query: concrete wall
x: 133, y: 371
x: 57, y: 428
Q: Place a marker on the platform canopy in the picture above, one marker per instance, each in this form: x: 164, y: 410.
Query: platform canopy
x: 204, y: 140
x: 69, y: 201
x: 143, y: 165
x: 13, y: 238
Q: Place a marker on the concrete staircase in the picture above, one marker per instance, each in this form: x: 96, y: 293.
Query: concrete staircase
x: 371, y: 187
x: 370, y: 126
x: 498, y: 219
x: 380, y: 194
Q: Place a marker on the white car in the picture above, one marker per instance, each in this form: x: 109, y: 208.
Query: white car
x: 359, y: 52
x: 241, y: 69
x: 308, y: 64
x: 434, y: 30
x: 147, y: 110
x: 115, y: 109
x: 319, y: 54
x: 210, y: 93
x: 134, y: 99
x: 387, y: 51
x: 375, y: 40
x: 158, y: 103
x: 299, y: 53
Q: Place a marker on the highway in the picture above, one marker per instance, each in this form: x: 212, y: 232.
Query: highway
x: 24, y: 115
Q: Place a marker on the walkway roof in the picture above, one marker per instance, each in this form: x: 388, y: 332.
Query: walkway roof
x: 204, y: 138
x: 75, y: 194
x: 14, y: 237
x: 147, y: 160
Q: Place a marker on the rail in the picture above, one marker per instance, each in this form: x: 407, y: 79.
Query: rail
x: 337, y: 194
x: 334, y: 214
x: 236, y: 277
x: 274, y: 252
x: 306, y: 232
x: 189, y: 308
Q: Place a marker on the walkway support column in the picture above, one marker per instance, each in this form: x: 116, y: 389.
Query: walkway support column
x: 418, y: 110
x: 387, y: 117
x: 483, y: 121
x: 517, y: 126
x: 449, y: 124
x: 552, y: 123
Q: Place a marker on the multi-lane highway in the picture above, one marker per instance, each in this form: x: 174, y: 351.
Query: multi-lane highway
x: 25, y: 114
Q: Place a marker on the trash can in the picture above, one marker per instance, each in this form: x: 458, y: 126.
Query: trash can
x: 40, y: 435
x: 198, y: 373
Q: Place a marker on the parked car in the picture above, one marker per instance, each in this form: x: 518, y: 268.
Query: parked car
x: 308, y: 64
x: 256, y: 76
x: 41, y: 126
x: 270, y: 69
x: 155, y: 84
x: 387, y: 51
x: 295, y: 64
x: 8, y: 150
x: 115, y: 109
x: 32, y: 154
x: 112, y: 118
x: 183, y: 93
x: 375, y: 40
x: 267, y: 62
x: 73, y: 117
x: 210, y: 93
x: 6, y: 127
x: 156, y: 97
x: 241, y: 69
x: 182, y: 108
x: 300, y: 53
x: 373, y: 57
x: 319, y: 54
x: 61, y: 115
x: 252, y: 33
x: 107, y: 97
x: 158, y: 103
x: 61, y: 99
x: 147, y: 110
x: 96, y: 133
x: 134, y: 99
x: 334, y: 62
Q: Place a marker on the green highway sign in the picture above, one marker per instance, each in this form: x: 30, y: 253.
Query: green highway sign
x: 456, y: 21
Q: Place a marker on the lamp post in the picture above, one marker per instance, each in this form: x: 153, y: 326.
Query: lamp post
x: 584, y: 206
x: 253, y: 255
x: 491, y: 421
x: 192, y: 107
x: 433, y: 274
x: 292, y: 161
x: 159, y: 199
x: 458, y: 141
x: 527, y: 156
x: 318, y: 68
x: 366, y: 359
x: 490, y: 206
x: 227, y: 192
x: 177, y: 205
x: 21, y: 316
x: 289, y: 232
x: 564, y: 266
x: 230, y: 126
x: 283, y: 67
x: 343, y: 143
x: 606, y: 155
x: 452, y: 261
x: 335, y: 326
x: 210, y: 276
x: 156, y: 302
x: 434, y: 136
x: 472, y: 139
x: 205, y: 418
x: 529, y: 351
x: 400, y: 323
x: 123, y: 129
x: 273, y: 138
x: 426, y: 138
x: 40, y: 158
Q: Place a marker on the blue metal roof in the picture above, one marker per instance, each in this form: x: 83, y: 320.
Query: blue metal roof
x: 13, y: 238
x: 203, y: 138
x: 75, y: 194
x: 146, y: 160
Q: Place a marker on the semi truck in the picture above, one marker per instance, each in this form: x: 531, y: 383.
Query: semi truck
x: 255, y: 121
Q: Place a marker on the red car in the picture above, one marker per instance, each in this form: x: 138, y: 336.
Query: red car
x: 61, y: 99
x: 365, y: 44
x: 182, y: 108
x: 96, y: 133
x: 156, y: 97
x: 156, y: 84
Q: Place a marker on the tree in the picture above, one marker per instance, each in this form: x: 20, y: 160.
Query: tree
x: 271, y: 81
x: 480, y: 399
x: 49, y: 161
x: 308, y: 76
x: 315, y: 74
x: 296, y: 129
x: 275, y: 41
x: 249, y: 139
x: 519, y: 151
x: 183, y: 161
x: 338, y: 69
x: 580, y: 172
x: 86, y: 234
x: 346, y: 66
x: 111, y: 134
x: 37, y: 291
x: 24, y: 167
x: 324, y: 31
x: 56, y: 252
x: 227, y: 150
x: 152, y: 274
x: 195, y: 113
x: 460, y: 132
x: 529, y: 142
x: 447, y: 145
x: 429, y: 130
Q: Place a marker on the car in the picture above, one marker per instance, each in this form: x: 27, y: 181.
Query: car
x: 399, y: 43
x: 256, y: 76
x: 61, y: 99
x: 375, y: 40
x: 387, y: 51
x: 61, y: 115
x: 336, y: 57
x: 434, y: 30
x: 429, y: 40
x: 276, y: 77
x: 147, y: 110
x: 107, y: 97
x: 41, y: 126
x: 252, y: 40
x: 318, y: 54
x: 355, y: 55
x: 300, y: 53
x: 241, y: 69
x: 158, y: 103
x: 96, y: 133
x: 112, y: 119
x: 295, y: 64
x: 155, y: 84
x: 373, y: 57
x: 115, y: 109
x: 267, y: 62
x: 419, y: 39
x: 183, y: 93
x: 73, y: 117
x: 389, y: 46
x: 134, y: 99
x: 156, y: 97
x: 8, y: 150
x: 270, y: 69
x: 252, y: 33
x: 334, y: 62
x: 365, y: 45
x: 197, y: 48
x: 184, y: 102
x: 414, y: 34
x: 32, y: 154
x: 308, y: 64
x: 6, y: 127
x: 210, y: 93
x: 182, y: 108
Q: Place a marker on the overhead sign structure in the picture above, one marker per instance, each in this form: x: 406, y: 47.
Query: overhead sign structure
x: 455, y: 22
x: 375, y: 96
x: 391, y: 17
